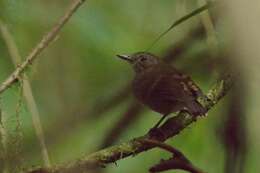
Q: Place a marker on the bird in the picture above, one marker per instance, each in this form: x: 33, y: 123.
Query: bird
x: 162, y: 87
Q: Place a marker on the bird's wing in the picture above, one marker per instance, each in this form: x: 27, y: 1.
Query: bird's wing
x: 188, y: 84
x: 175, y: 86
x: 167, y: 87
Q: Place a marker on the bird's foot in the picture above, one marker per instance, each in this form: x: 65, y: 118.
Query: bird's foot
x: 190, y: 113
x: 156, y: 133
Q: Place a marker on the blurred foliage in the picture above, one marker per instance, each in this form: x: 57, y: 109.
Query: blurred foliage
x: 80, y: 69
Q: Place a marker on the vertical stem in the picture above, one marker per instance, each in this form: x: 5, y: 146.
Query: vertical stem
x: 209, y: 27
x: 3, y: 143
x: 27, y: 92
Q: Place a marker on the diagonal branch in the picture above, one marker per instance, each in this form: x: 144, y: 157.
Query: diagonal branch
x: 170, y: 128
x: 46, y: 40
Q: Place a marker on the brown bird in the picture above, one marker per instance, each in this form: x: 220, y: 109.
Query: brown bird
x: 163, y: 88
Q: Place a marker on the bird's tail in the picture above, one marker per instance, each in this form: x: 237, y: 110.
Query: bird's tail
x: 196, y: 109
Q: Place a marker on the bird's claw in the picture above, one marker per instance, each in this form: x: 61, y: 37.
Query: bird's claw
x: 156, y: 133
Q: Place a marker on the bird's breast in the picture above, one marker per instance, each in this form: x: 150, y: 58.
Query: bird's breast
x: 143, y: 86
x: 146, y: 87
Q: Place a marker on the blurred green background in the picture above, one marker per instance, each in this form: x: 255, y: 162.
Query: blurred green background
x: 78, y: 74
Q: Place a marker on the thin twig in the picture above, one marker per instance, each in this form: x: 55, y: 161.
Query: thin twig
x: 46, y: 40
x: 27, y: 92
x: 179, y: 21
x: 177, y: 161
x: 170, y: 128
x: 174, y: 163
x: 162, y: 145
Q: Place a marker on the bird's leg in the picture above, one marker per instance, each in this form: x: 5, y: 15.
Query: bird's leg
x: 159, y: 122
x: 154, y: 131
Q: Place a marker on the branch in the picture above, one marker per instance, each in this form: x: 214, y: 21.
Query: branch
x: 46, y: 40
x: 170, y: 128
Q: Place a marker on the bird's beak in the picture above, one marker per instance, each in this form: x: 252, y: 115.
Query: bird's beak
x: 126, y: 58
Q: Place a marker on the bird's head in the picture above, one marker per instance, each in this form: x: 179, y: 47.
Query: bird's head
x: 141, y: 61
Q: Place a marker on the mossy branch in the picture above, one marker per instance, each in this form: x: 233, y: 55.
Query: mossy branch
x: 170, y: 128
